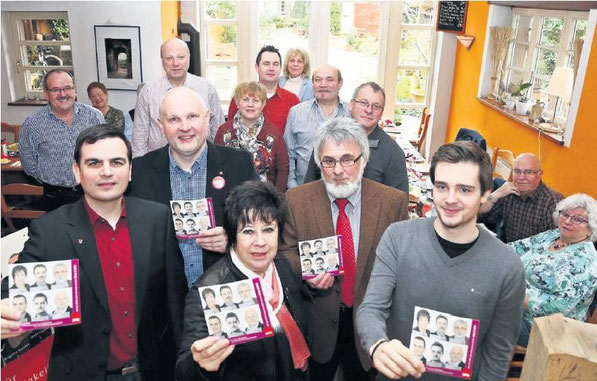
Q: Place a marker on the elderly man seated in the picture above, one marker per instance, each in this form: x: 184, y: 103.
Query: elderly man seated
x: 525, y: 204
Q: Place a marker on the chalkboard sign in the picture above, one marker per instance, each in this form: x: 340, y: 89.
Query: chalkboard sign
x: 451, y: 16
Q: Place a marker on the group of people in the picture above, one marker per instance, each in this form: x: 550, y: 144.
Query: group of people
x: 135, y: 273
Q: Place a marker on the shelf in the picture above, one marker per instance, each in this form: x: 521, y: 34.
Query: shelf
x: 522, y: 119
x: 29, y: 102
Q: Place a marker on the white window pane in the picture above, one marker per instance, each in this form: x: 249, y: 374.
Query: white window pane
x: 409, y: 117
x: 415, y: 47
x: 523, y: 27
x: 36, y: 55
x: 551, y: 30
x: 45, y: 30
x: 546, y: 61
x: 224, y: 78
x: 33, y: 79
x: 354, y: 40
x: 285, y: 28
x: 418, y: 12
x: 221, y: 42
x: 519, y: 55
x: 224, y: 10
x: 411, y: 86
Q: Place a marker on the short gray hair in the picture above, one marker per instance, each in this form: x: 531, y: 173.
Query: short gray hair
x: 341, y: 130
x: 579, y: 200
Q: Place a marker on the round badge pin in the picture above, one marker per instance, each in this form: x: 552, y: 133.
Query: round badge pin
x: 218, y: 182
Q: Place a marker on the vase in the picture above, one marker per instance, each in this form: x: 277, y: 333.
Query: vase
x: 522, y: 107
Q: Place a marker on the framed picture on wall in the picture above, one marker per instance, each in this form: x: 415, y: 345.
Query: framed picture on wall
x: 118, y: 56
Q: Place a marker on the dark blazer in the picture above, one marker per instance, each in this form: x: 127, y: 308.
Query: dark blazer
x: 268, y: 359
x: 80, y: 352
x: 310, y: 217
x: 151, y: 180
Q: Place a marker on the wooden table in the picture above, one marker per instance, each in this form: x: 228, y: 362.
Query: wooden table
x: 14, y: 165
x: 14, y: 173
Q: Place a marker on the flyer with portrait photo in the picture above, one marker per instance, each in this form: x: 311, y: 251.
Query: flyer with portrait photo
x: 191, y: 217
x: 46, y: 293
x: 321, y: 255
x: 445, y: 343
x: 236, y: 311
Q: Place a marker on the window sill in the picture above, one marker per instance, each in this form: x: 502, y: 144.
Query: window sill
x: 29, y: 102
x: 522, y: 119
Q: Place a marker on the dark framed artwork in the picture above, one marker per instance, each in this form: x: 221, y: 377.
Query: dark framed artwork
x: 118, y: 56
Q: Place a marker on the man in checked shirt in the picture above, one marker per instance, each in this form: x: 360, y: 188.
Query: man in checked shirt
x: 525, y: 204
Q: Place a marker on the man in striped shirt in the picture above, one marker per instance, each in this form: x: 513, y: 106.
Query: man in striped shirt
x: 47, y: 138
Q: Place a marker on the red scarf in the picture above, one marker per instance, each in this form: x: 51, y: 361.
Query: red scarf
x: 298, y: 347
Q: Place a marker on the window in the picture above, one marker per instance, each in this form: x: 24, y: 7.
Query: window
x: 41, y: 43
x: 543, y: 40
x: 357, y: 37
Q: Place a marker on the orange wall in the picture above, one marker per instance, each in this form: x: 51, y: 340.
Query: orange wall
x: 568, y: 169
x: 170, y: 17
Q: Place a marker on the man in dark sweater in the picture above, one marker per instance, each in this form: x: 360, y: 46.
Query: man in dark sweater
x: 475, y: 275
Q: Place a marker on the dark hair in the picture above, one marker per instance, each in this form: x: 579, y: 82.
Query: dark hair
x: 307, y: 260
x: 422, y: 339
x: 423, y: 313
x: 207, y: 291
x: 175, y: 204
x: 214, y: 317
x: 318, y: 241
x: 231, y: 315
x: 437, y: 344
x: 268, y: 48
x: 19, y: 268
x: 319, y: 259
x: 441, y: 317
x: 305, y: 244
x: 96, y: 85
x: 374, y: 86
x: 38, y: 266
x: 40, y: 295
x: 464, y: 152
x: 223, y: 287
x: 253, y: 200
x: 20, y: 296
x: 188, y: 203
x: 179, y: 219
x: 98, y: 132
x: 54, y: 71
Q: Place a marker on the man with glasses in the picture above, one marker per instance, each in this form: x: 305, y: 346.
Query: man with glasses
x: 304, y: 119
x: 47, y: 138
x: 387, y: 164
x: 357, y: 209
x: 525, y: 205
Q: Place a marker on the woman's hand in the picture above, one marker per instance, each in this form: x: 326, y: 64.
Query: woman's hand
x: 214, y: 239
x: 210, y: 352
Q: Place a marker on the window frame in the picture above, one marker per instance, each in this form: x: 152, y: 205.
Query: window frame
x: 19, y: 45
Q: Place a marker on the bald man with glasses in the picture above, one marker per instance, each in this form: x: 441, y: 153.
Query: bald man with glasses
x: 525, y: 205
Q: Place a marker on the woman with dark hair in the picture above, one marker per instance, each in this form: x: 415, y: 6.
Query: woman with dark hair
x: 19, y: 275
x: 98, y: 95
x: 254, y: 216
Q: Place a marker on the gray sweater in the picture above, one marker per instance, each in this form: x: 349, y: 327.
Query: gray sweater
x: 411, y: 269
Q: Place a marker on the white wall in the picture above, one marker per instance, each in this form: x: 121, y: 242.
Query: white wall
x: 82, y: 16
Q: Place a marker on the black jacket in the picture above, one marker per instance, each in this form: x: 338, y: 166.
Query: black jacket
x: 263, y: 360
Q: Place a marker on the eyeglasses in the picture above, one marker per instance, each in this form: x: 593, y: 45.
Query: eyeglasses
x: 364, y: 104
x: 57, y: 90
x: 576, y: 220
x: 328, y: 162
x: 527, y: 172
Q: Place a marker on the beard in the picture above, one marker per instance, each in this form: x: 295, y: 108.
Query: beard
x: 344, y: 190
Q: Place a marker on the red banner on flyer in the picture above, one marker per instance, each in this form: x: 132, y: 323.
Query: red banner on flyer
x: 31, y: 365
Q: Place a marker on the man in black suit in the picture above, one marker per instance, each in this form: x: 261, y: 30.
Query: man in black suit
x: 191, y: 168
x: 131, y: 275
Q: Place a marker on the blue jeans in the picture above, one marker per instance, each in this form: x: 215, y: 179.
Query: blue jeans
x: 525, y: 332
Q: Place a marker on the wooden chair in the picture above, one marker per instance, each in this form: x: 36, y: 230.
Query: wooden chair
x: 9, y: 212
x: 419, y: 142
x: 503, y: 163
x: 10, y: 132
x: 516, y: 363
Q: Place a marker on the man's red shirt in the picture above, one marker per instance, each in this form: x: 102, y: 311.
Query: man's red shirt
x: 276, y: 109
x: 115, y: 254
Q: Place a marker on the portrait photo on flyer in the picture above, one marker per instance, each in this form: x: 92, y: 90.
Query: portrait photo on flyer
x: 445, y: 343
x: 321, y: 255
x: 46, y: 293
x: 191, y: 217
x: 236, y: 311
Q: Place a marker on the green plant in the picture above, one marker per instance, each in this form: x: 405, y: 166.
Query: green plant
x: 520, y: 90
x: 228, y: 35
x: 60, y: 29
x: 335, y: 14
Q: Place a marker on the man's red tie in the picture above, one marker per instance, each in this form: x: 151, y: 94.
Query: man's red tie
x: 343, y: 229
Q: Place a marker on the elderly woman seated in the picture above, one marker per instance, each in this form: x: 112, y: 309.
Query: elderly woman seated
x: 254, y: 215
x: 249, y: 130
x: 560, y: 264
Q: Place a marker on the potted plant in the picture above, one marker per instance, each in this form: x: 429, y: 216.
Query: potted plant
x: 522, y: 103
